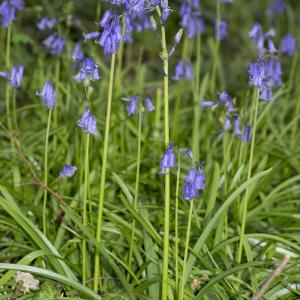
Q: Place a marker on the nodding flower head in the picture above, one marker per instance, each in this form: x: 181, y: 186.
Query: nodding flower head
x: 189, y: 192
x: 183, y: 71
x: 88, y: 70
x: 55, y: 43
x: 257, y: 36
x: 111, y: 35
x: 88, y: 122
x: 190, y: 154
x: 243, y: 136
x: 132, y: 105
x: 220, y: 29
x: 112, y: 32
x: 46, y: 23
x: 225, y: 100
x: 8, y: 11
x: 237, y: 128
x: 246, y: 136
x: 273, y: 72
x: 68, y: 171
x: 77, y: 54
x: 288, y: 45
x: 168, y: 160
x: 16, y: 76
x: 205, y: 103
x: 194, y: 182
x: 191, y: 18
x: 256, y: 73
x: 149, y: 104
x: 277, y: 7
x: 48, y: 94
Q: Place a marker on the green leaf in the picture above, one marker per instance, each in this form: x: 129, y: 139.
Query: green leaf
x: 54, y: 276
x: 213, y: 222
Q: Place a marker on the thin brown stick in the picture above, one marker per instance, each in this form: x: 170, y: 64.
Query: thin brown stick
x: 37, y: 180
x: 274, y: 274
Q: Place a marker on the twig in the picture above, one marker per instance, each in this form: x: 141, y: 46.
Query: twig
x: 37, y: 180
x: 274, y: 274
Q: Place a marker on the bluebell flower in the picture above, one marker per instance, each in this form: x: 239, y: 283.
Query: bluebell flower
x: 136, y: 24
x: 178, y: 36
x: 168, y: 159
x: 258, y: 38
x: 246, y: 136
x: 227, y: 125
x: 92, y: 35
x: 191, y: 176
x: 48, y: 94
x: 189, y: 192
x: 225, y: 100
x: 111, y: 35
x: 149, y: 105
x: 88, y: 70
x: 77, y: 54
x: 221, y: 29
x: 16, y: 76
x: 55, y: 43
x: 68, y: 171
x: 205, y: 104
x: 273, y: 72
x: 88, y: 122
x: 4, y: 75
x: 265, y: 93
x: 277, y: 7
x: 46, y: 23
x: 190, y: 154
x: 112, y: 32
x: 165, y: 10
x: 265, y: 76
x: 131, y: 108
x: 183, y: 70
x: 288, y: 45
x: 256, y: 73
x: 271, y: 47
x: 237, y: 128
x: 195, y: 182
x: 191, y: 18
x: 199, y: 182
x: 8, y: 11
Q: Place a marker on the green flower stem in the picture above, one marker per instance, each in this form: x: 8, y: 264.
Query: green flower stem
x: 55, y: 119
x: 136, y: 192
x: 186, y: 249
x: 8, y: 42
x: 15, y: 169
x: 246, y: 198
x: 165, y: 275
x: 179, y: 91
x: 216, y: 53
x: 46, y: 172
x: 14, y: 103
x: 85, y: 193
x: 97, y: 282
x: 196, y: 92
x: 176, y: 227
